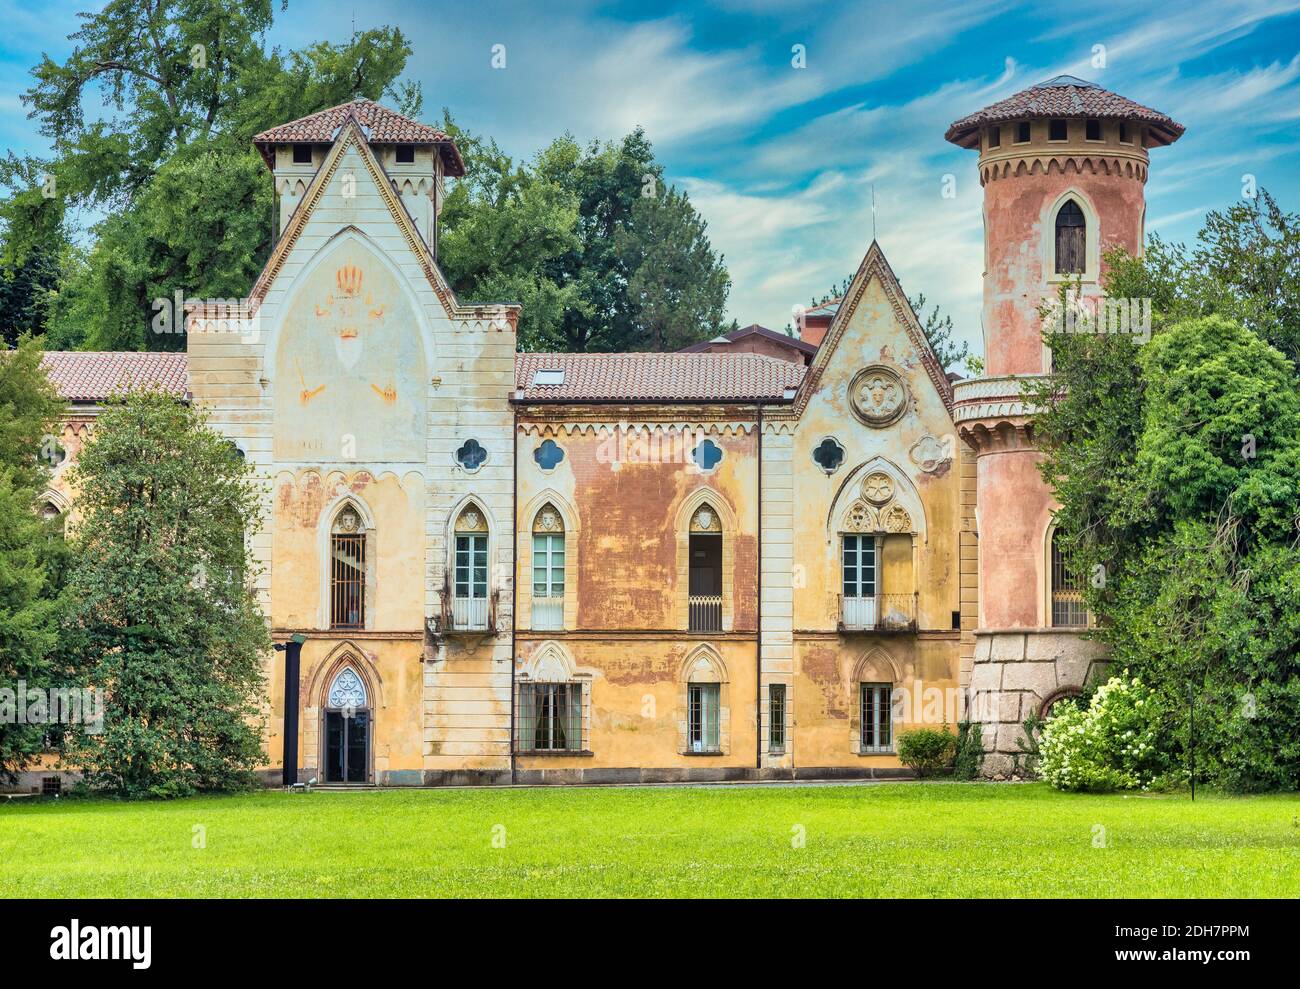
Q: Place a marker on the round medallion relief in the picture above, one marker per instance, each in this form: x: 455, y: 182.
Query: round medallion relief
x: 877, y: 488
x: 878, y: 395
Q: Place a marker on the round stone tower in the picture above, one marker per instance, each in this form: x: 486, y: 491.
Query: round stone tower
x: 1062, y: 165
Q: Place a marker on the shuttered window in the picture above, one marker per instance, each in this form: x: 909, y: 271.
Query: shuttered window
x: 1071, y: 239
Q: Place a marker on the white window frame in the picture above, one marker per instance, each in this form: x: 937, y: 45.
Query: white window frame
x: 703, y: 717
x: 876, y: 736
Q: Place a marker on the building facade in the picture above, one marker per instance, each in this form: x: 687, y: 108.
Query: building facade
x: 747, y: 561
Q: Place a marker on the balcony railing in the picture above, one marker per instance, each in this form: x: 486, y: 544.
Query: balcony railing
x: 548, y: 613
x: 469, y: 614
x: 705, y: 613
x: 880, y: 613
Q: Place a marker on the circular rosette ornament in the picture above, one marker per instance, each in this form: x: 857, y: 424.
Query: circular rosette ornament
x: 878, y: 395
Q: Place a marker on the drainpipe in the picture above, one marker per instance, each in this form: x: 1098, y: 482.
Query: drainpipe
x: 514, y: 574
x: 758, y: 611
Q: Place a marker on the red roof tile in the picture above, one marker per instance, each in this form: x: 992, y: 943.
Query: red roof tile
x: 92, y: 376
x: 380, y: 124
x: 1064, y: 96
x: 658, y: 377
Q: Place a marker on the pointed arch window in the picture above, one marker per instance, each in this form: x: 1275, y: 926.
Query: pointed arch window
x: 548, y: 569
x: 470, y: 601
x: 705, y: 570
x: 347, y: 691
x: 704, y: 675
x: 347, y: 570
x: 347, y: 729
x: 1071, y: 239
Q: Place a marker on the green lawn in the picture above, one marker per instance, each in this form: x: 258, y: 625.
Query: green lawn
x: 906, y: 839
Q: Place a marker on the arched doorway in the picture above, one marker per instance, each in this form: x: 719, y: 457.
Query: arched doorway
x: 347, y: 729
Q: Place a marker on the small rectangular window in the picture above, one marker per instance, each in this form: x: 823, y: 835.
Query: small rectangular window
x: 51, y: 786
x: 1123, y: 132
x: 1056, y: 130
x: 406, y: 154
x: 702, y: 716
x: 876, y: 712
x: 302, y: 154
x: 1022, y: 132
x: 1092, y: 130
x: 995, y: 137
x: 776, y: 718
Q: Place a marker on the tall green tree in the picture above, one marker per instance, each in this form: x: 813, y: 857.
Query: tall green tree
x: 590, y: 239
x: 30, y: 548
x: 1177, y: 467
x: 183, y: 86
x: 162, y: 615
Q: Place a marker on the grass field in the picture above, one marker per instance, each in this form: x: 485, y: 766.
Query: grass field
x: 889, y: 840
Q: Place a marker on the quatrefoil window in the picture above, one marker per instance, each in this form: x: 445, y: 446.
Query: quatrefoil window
x: 548, y: 455
x: 707, y: 455
x: 471, y: 455
x: 828, y: 455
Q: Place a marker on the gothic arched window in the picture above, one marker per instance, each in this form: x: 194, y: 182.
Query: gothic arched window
x: 548, y: 569
x: 347, y: 691
x: 1071, y: 239
x: 348, y: 569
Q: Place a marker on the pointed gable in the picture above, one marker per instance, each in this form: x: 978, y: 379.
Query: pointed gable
x: 874, y: 268
x: 351, y: 135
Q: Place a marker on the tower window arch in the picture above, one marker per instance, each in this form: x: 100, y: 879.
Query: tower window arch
x: 1068, y: 607
x: 1071, y: 239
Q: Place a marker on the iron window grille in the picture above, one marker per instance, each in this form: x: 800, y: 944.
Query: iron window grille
x: 550, y: 717
x: 348, y: 580
x: 1068, y: 607
x: 776, y: 718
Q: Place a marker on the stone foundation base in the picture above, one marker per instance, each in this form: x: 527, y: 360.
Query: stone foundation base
x: 1016, y: 674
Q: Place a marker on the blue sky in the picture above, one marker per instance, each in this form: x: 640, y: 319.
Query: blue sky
x: 780, y: 160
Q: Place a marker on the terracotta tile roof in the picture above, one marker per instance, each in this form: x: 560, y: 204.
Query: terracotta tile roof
x: 752, y: 330
x: 1065, y: 96
x: 380, y: 124
x: 657, y: 377
x: 92, y: 376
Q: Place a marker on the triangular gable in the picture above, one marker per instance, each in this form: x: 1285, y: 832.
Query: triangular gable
x: 873, y: 264
x: 352, y: 135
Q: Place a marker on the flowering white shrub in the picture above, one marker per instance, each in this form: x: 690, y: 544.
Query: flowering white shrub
x: 1112, y: 745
